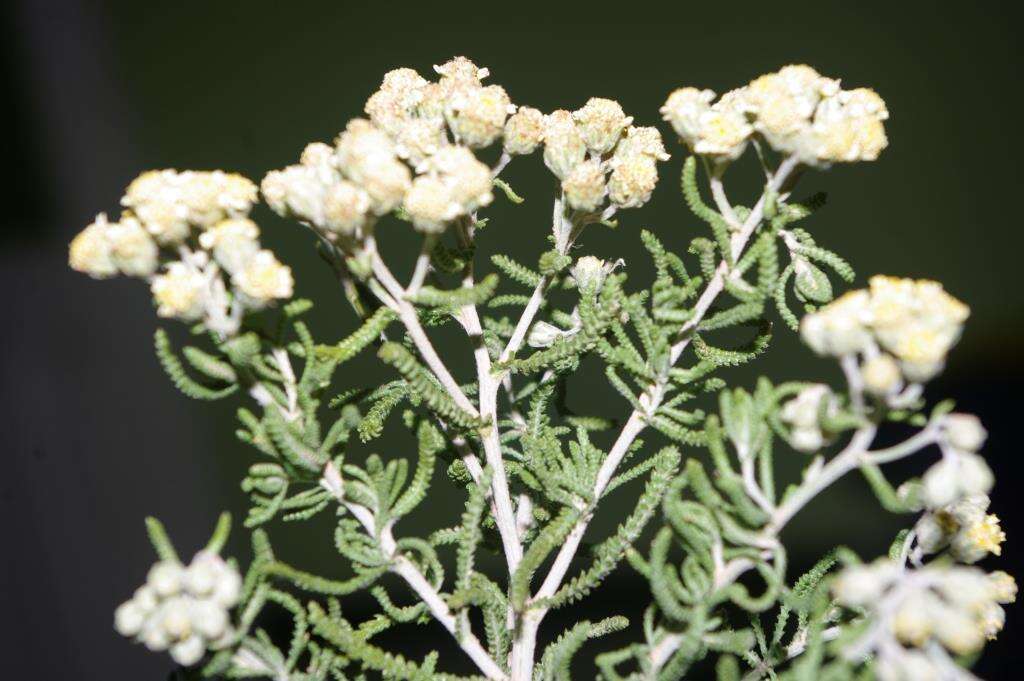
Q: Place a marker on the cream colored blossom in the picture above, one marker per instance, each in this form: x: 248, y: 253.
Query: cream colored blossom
x: 419, y: 138
x: 783, y: 103
x: 881, y: 375
x: 683, y: 110
x: 90, y: 251
x: 263, y: 280
x: 524, y: 130
x: 345, y: 207
x: 367, y: 157
x: 430, y: 205
x: 477, y: 116
x: 841, y: 327
x: 460, y: 71
x: 1003, y: 585
x: 978, y: 539
x: 917, y: 321
x: 564, y: 146
x: 180, y: 292
x: 632, y: 181
x: 232, y: 242
x: 298, y: 191
x: 132, y: 248
x: 168, y: 202
x: 601, y: 123
x: 723, y: 129
x: 584, y: 188
x: 468, y: 180
x: 640, y: 141
x: 847, y: 127
x: 400, y: 93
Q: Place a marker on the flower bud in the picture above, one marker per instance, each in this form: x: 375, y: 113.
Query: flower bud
x: 232, y: 242
x: 477, y: 116
x: 129, y: 618
x: 941, y: 484
x: 584, y: 187
x: 132, y: 248
x: 429, y: 203
x: 564, y: 147
x: 180, y: 292
x: 632, y: 181
x: 189, y: 651
x: 881, y: 375
x: 965, y: 432
x: 975, y: 475
x: 933, y: 534
x: 1004, y: 587
x: 543, y: 335
x: 263, y: 280
x: 90, y: 251
x: 589, y: 273
x: 601, y: 122
x: 524, y: 130
x: 165, y: 578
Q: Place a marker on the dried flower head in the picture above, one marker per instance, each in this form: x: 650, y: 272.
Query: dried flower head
x: 180, y: 292
x: 263, y: 280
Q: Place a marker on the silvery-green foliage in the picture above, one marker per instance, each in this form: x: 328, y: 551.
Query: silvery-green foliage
x: 703, y: 522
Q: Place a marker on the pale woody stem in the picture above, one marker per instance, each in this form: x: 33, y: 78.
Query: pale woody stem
x: 504, y: 513
x: 404, y: 568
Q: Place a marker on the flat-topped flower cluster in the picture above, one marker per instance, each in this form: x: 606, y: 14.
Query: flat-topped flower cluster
x: 188, y: 233
x: 796, y: 110
x: 915, y: 322
x: 417, y: 154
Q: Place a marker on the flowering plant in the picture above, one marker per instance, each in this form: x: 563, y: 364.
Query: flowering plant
x: 534, y: 472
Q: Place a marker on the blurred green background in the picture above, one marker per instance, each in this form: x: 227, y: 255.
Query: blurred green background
x: 97, y: 91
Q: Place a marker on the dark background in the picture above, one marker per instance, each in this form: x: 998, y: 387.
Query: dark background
x: 94, y: 438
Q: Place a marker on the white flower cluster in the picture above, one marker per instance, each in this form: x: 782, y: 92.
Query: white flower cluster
x: 183, y: 609
x: 915, y: 322
x: 154, y: 240
x: 413, y: 153
x: 956, y: 607
x: 599, y: 155
x: 803, y: 414
x: 796, y: 110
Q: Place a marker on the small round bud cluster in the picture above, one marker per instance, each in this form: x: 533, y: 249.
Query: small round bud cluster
x: 367, y: 157
x: 803, y: 415
x: 956, y: 607
x: 623, y: 158
x: 795, y: 109
x: 183, y: 609
x: 315, y: 192
x: 916, y: 321
x: 964, y: 527
x: 453, y: 183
